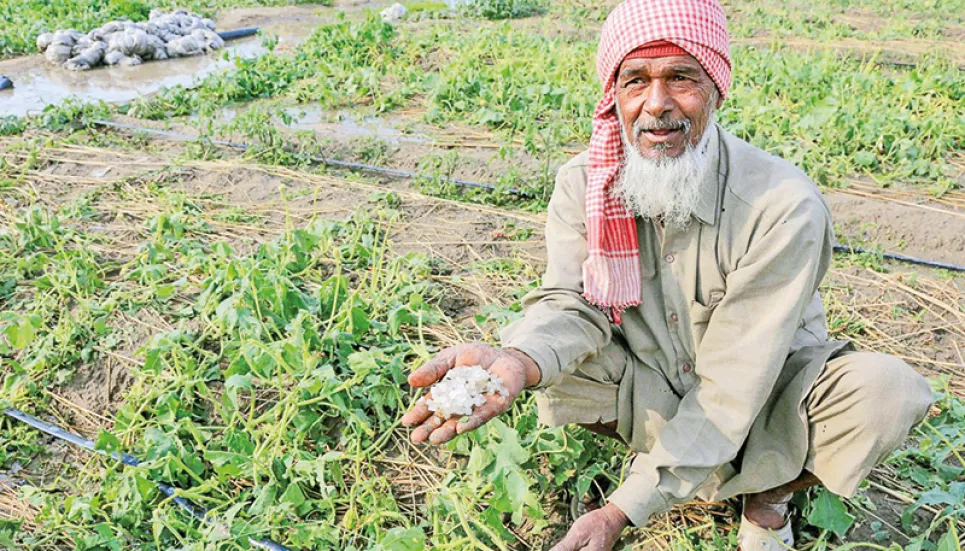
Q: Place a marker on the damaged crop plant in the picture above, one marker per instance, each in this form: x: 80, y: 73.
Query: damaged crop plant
x: 274, y: 398
x: 256, y: 340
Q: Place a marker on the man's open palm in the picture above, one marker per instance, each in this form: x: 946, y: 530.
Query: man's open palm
x: 506, y: 365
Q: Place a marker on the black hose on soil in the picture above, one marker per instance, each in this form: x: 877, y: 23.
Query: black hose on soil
x: 900, y: 258
x: 196, y: 511
x: 321, y: 160
x: 463, y: 183
x: 238, y: 33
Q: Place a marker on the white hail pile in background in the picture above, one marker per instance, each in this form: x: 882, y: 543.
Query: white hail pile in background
x: 163, y: 36
x: 462, y: 390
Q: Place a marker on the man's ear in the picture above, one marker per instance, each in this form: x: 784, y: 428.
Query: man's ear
x: 720, y: 100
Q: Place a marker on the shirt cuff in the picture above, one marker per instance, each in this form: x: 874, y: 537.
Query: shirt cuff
x: 545, y: 357
x: 638, y: 500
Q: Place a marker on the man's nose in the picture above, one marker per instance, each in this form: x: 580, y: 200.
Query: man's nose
x: 658, y: 100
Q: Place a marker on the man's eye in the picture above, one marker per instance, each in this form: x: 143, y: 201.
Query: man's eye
x: 679, y: 78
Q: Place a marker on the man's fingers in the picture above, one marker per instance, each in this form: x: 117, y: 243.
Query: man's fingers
x: 474, y: 422
x: 422, y: 432
x: 474, y: 354
x: 444, y: 433
x: 418, y: 414
x: 436, y: 368
x: 568, y: 544
x: 433, y: 370
x: 577, y: 538
x: 494, y: 405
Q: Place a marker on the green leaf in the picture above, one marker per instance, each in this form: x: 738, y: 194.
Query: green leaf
x: 22, y: 332
x: 106, y: 442
x: 949, y: 542
x: 360, y: 322
x: 265, y: 499
x: 506, y: 471
x: 165, y: 292
x: 238, y: 381
x: 828, y: 512
x: 8, y: 529
x: 403, y: 539
x: 364, y: 362
x: 865, y: 159
x: 293, y: 495
x: 954, y: 496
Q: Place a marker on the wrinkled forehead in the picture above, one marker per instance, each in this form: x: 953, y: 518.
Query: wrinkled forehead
x: 659, y: 66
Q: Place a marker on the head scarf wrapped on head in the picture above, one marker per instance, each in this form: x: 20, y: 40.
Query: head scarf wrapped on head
x: 637, y: 28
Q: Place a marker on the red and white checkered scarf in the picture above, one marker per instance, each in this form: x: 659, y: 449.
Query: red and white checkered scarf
x: 611, y: 273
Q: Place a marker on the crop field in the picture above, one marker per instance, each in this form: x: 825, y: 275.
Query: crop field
x: 242, y: 319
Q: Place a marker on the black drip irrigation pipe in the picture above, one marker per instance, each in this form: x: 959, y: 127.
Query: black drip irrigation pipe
x: 910, y: 65
x: 463, y: 183
x: 196, y: 511
x: 238, y: 33
x: 320, y: 160
x: 900, y: 258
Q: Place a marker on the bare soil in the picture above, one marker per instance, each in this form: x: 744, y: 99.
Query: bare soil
x: 899, y: 228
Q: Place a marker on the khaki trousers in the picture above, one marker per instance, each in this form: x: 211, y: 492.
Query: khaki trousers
x: 859, y: 409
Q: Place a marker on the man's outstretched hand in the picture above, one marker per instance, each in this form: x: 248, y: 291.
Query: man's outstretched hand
x: 516, y: 369
x: 595, y: 531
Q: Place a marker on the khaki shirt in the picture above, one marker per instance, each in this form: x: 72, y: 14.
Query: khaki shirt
x: 725, y: 302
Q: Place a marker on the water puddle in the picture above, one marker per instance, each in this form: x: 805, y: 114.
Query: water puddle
x: 341, y: 124
x: 345, y: 125
x: 38, y: 84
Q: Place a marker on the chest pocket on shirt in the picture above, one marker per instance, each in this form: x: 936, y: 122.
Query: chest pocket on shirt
x: 701, y: 315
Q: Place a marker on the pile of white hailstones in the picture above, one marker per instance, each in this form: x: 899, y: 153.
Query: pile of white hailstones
x: 462, y: 390
x: 163, y: 36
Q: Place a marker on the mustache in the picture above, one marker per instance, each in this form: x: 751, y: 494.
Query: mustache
x: 641, y: 126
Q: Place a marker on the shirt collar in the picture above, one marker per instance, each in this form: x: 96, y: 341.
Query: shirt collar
x: 706, y: 210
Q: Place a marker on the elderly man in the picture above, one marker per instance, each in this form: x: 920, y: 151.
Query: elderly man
x: 680, y: 312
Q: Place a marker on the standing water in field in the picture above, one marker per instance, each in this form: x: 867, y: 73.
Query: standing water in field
x: 39, y: 83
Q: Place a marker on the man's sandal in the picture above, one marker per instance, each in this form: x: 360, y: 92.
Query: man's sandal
x: 751, y: 537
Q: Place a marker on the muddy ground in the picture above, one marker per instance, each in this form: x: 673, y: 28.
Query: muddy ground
x: 37, y: 83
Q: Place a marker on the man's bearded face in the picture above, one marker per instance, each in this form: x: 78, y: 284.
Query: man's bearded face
x: 665, y: 106
x: 665, y: 103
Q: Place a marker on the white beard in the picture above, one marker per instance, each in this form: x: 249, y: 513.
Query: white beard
x: 668, y: 187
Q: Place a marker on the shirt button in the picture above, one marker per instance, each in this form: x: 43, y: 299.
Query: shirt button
x: 669, y: 258
x: 687, y: 367
x: 673, y: 317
